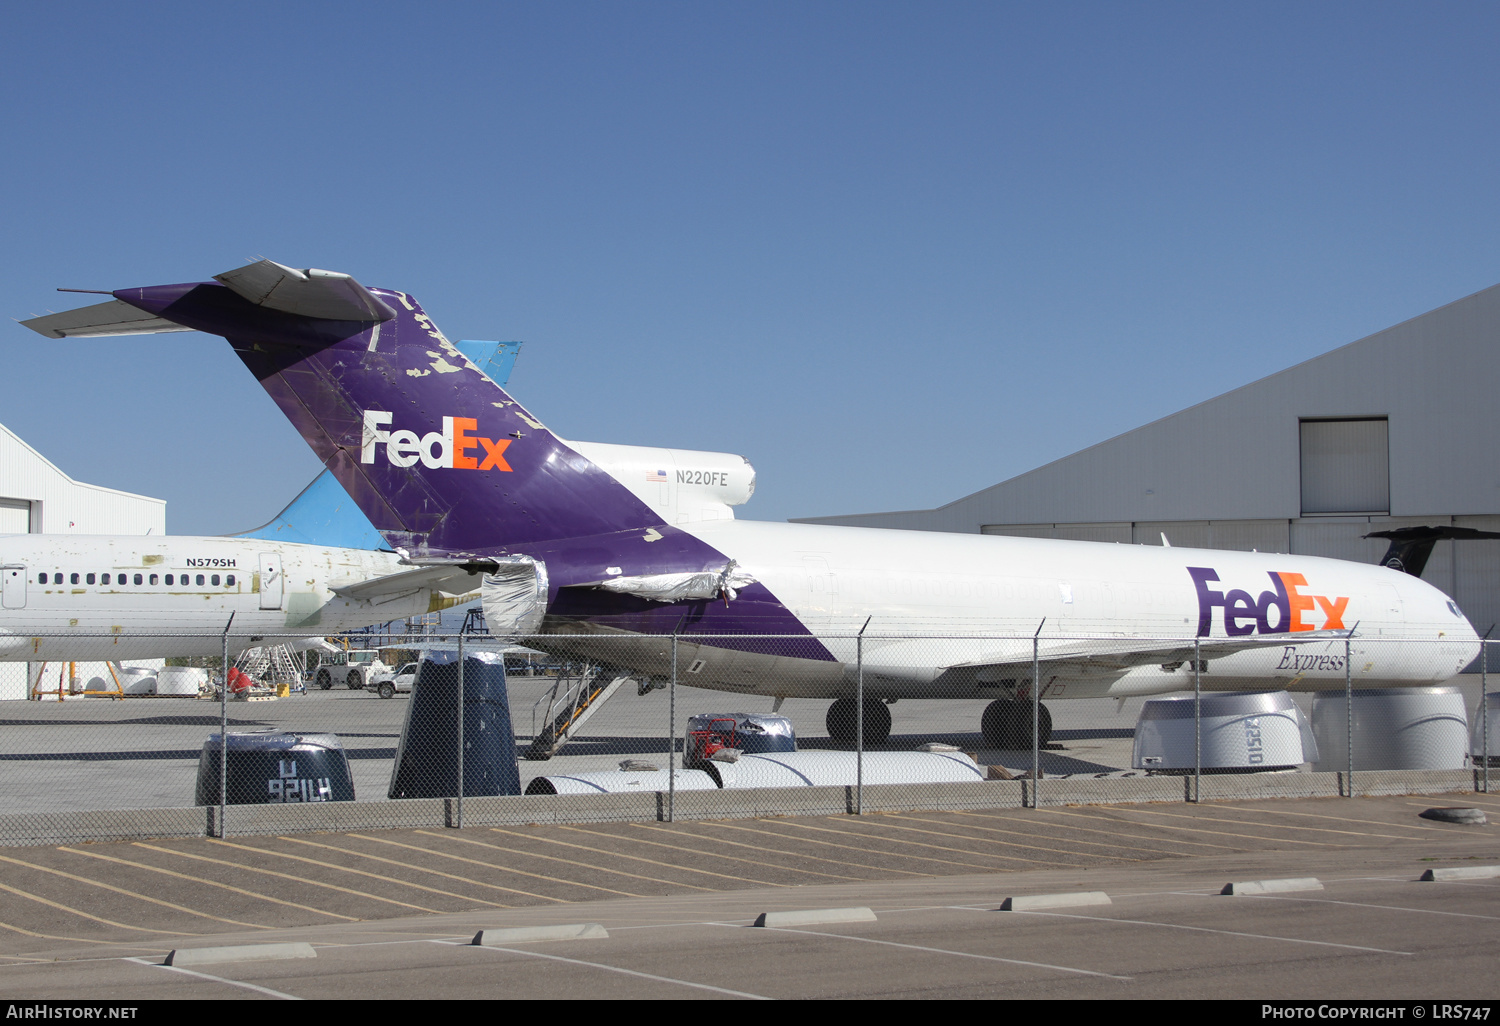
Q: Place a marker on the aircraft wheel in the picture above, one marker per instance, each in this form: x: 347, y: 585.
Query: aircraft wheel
x: 325, y: 680
x: 843, y: 722
x: 1007, y: 724
x: 387, y: 690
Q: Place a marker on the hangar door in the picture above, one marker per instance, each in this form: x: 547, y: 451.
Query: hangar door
x: 15, y: 516
x: 1346, y: 466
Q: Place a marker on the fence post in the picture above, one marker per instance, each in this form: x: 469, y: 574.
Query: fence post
x: 672, y: 737
x: 1036, y: 714
x: 859, y: 720
x: 1484, y: 704
x: 1197, y: 719
x: 1348, y: 717
x: 224, y: 729
x: 458, y: 819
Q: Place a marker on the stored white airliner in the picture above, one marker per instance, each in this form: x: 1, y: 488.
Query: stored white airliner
x: 112, y: 597
x: 457, y: 475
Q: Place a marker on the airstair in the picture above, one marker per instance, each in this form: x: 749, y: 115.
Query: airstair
x: 572, y: 699
x: 271, y: 664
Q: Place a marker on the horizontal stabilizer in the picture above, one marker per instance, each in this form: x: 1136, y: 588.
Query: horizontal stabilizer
x: 455, y: 580
x: 112, y: 318
x: 324, y: 295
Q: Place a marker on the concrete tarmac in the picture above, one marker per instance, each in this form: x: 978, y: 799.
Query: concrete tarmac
x: 390, y: 913
x: 94, y: 753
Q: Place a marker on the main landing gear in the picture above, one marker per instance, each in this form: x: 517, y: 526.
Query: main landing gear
x: 843, y: 722
x: 1006, y: 724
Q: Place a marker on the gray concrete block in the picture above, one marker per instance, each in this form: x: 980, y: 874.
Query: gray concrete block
x: 501, y: 936
x: 1299, y: 883
x: 1462, y: 873
x: 1032, y: 902
x: 814, y: 917
x: 240, y: 953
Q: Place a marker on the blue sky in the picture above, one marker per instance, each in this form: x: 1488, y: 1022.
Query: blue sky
x: 892, y: 252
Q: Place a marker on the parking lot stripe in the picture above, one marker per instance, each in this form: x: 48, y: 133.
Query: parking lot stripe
x: 915, y: 844
x: 420, y: 869
x: 387, y: 880
x: 617, y: 969
x: 937, y: 951
x: 636, y: 858
x: 1364, y: 904
x: 209, y: 883
x: 886, y: 822
x: 666, y: 865
x: 570, y: 862
x: 216, y: 979
x: 131, y: 894
x: 1095, y: 817
x: 47, y: 936
x: 850, y: 847
x: 716, y: 855
x: 283, y: 876
x: 1208, y: 929
x: 491, y: 865
x: 1227, y: 833
x: 1299, y: 826
x: 783, y: 851
x: 107, y: 922
x: 1340, y: 819
x: 1008, y: 830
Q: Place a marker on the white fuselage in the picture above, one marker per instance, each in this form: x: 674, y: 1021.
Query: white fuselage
x: 132, y: 597
x: 938, y: 601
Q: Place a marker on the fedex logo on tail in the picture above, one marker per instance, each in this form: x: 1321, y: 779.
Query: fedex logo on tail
x: 448, y: 449
x: 1280, y: 610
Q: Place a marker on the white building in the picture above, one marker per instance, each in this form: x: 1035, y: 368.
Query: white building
x: 38, y: 498
x: 1398, y: 429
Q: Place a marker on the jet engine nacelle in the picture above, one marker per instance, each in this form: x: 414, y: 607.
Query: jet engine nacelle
x: 683, y: 485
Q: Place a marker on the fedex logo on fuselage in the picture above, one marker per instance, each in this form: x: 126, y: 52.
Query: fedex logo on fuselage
x: 446, y: 449
x: 1280, y: 610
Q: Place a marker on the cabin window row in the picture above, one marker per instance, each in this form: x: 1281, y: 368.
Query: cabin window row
x: 171, y: 580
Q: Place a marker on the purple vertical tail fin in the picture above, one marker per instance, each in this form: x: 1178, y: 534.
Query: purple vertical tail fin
x: 435, y: 453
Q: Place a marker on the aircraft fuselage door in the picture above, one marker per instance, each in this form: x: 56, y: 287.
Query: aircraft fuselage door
x: 272, y: 581
x: 13, y: 585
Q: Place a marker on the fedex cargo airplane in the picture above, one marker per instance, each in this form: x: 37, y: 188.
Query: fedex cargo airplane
x: 455, y: 473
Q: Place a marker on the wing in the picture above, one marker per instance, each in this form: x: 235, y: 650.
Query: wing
x: 450, y: 579
x: 912, y: 660
x: 1110, y: 658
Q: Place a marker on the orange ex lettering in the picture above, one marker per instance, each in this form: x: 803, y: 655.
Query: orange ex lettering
x: 493, y: 453
x: 1333, y: 609
x: 1297, y: 602
x: 463, y: 442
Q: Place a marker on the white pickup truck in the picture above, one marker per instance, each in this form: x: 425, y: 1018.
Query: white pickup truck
x: 387, y: 685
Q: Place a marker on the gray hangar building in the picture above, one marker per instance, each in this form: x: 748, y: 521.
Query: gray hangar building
x: 1396, y: 430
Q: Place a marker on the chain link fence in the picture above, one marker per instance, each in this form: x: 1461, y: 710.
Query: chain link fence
x: 449, y: 730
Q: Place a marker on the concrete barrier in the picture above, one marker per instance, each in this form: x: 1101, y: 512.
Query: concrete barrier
x: 814, y: 917
x: 240, y: 953
x: 499, y: 937
x: 1071, y: 899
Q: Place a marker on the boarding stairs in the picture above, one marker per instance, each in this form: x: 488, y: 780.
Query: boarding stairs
x: 271, y: 664
x: 572, y: 699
